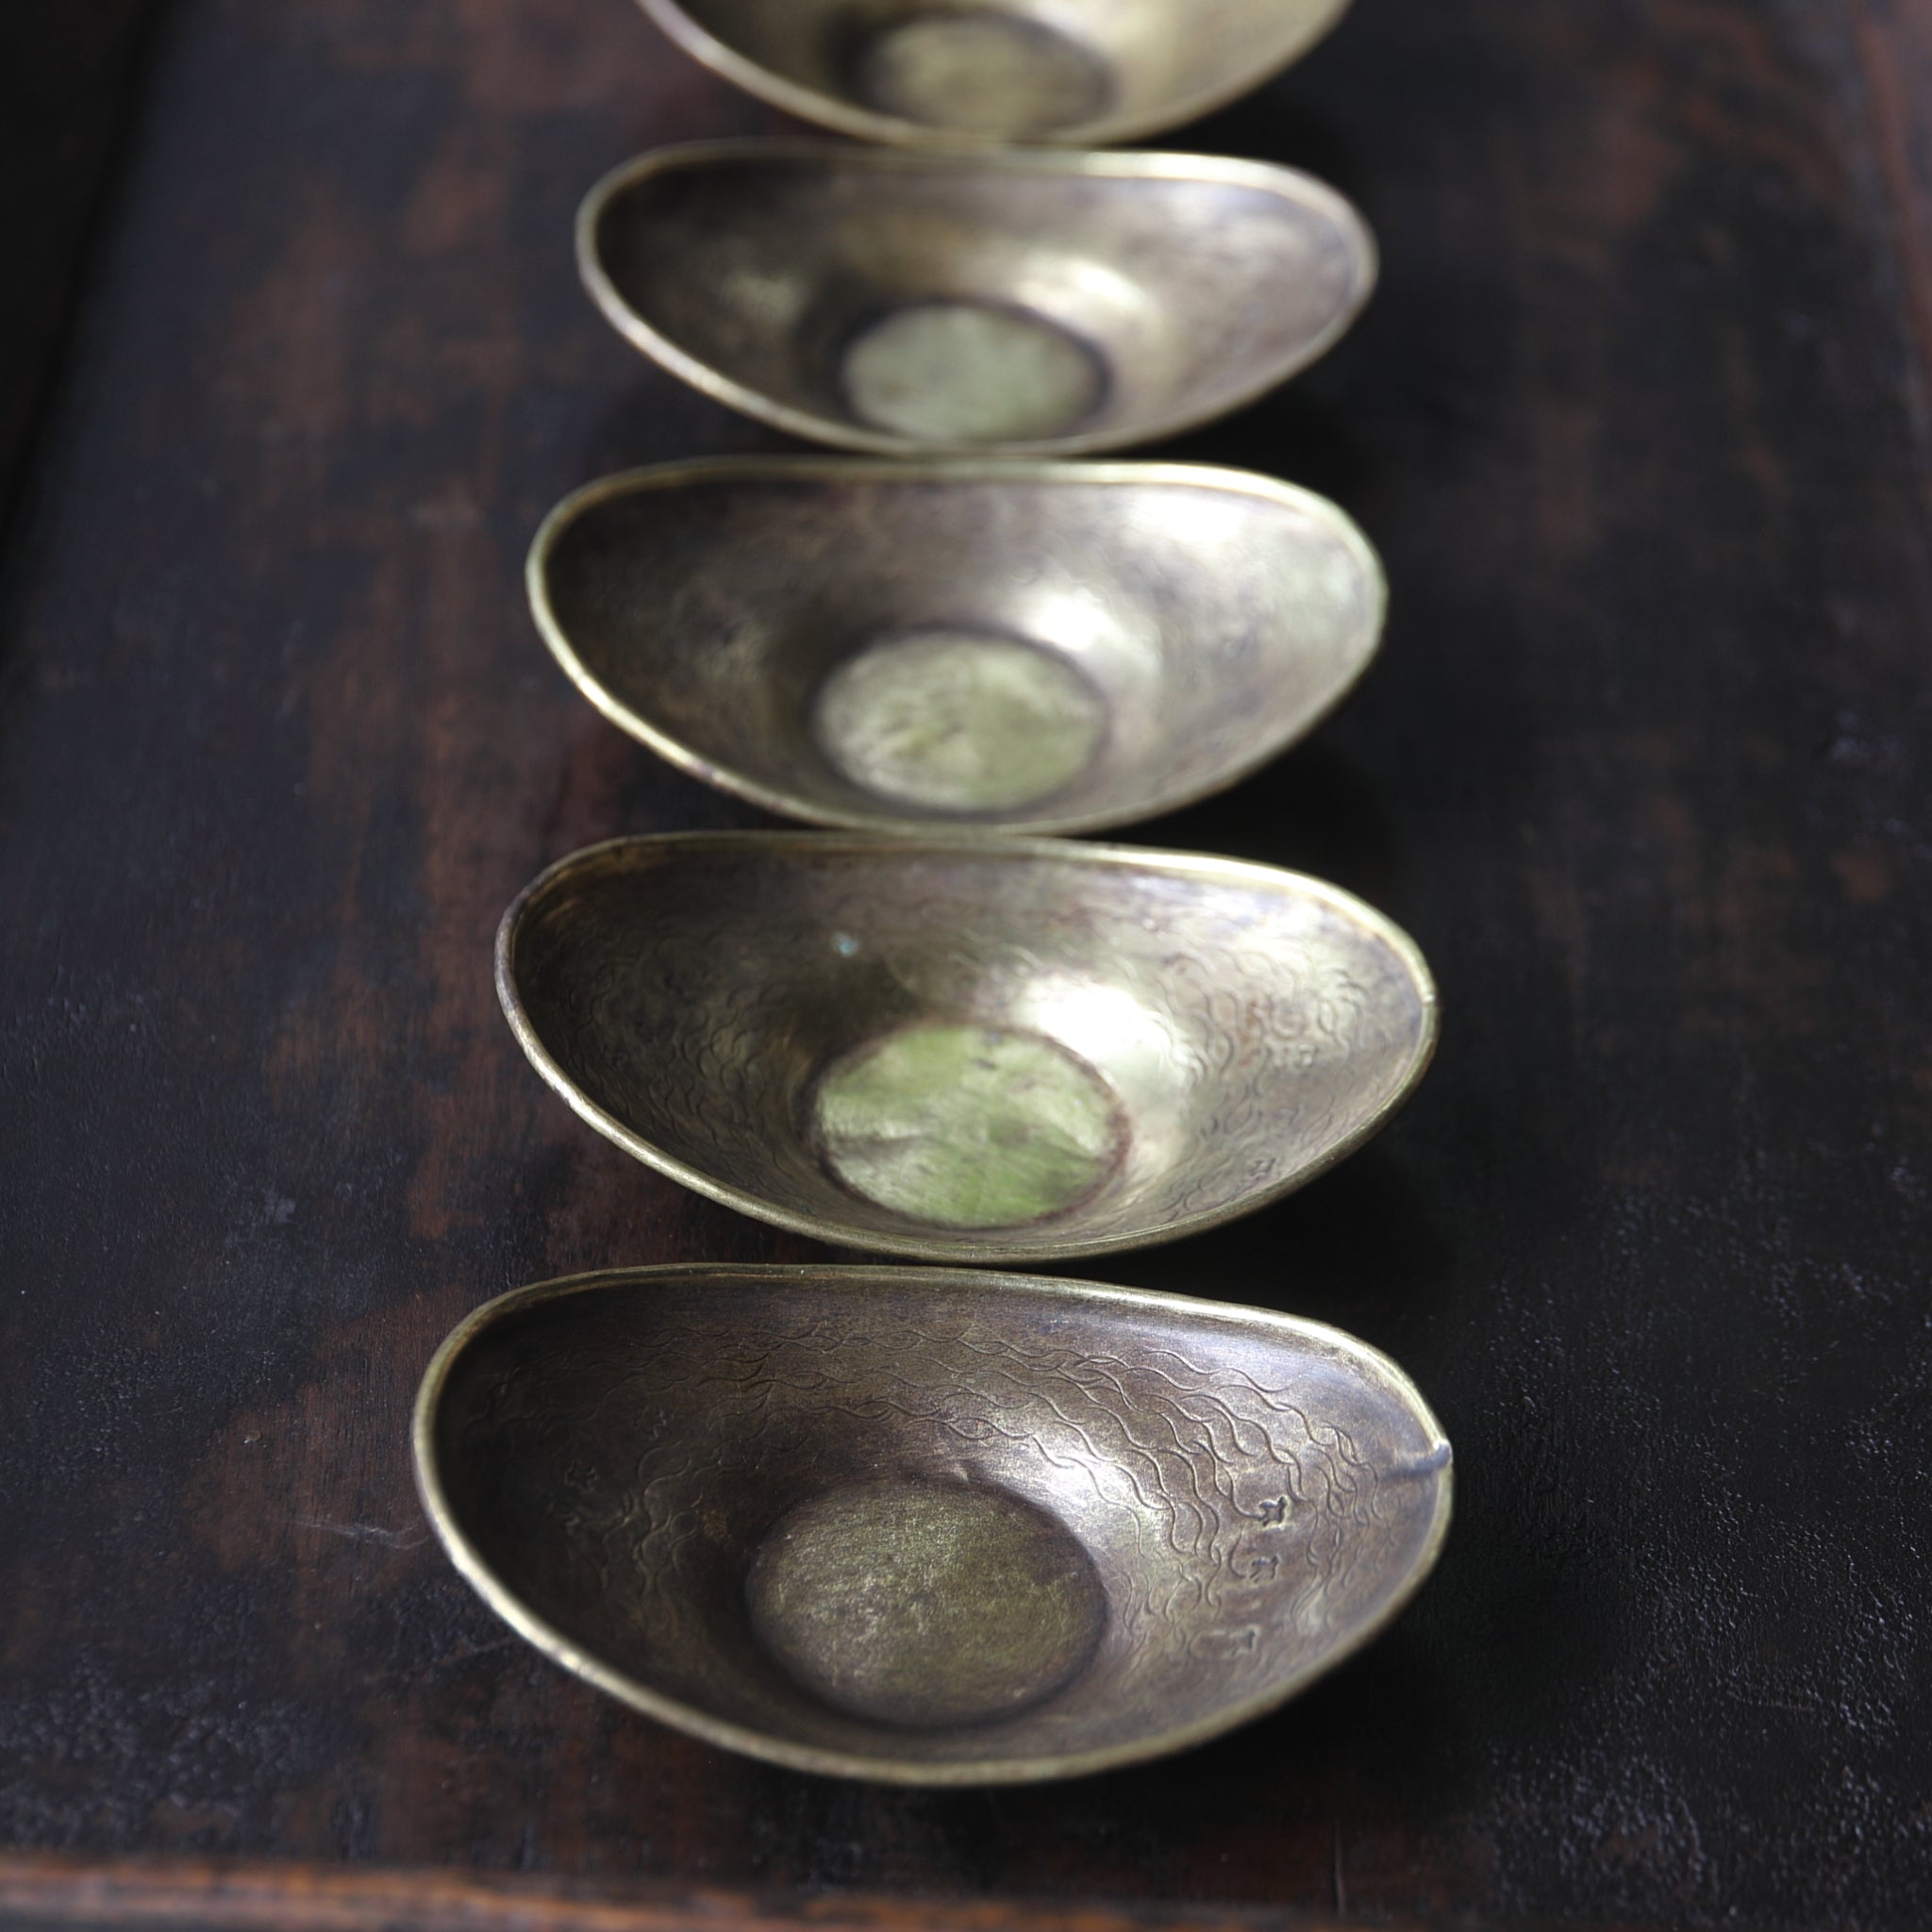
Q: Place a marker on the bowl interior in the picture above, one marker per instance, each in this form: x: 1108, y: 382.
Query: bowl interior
x: 1038, y: 648
x: 933, y: 1526
x: 1011, y: 1048
x: 886, y: 300
x: 1086, y: 71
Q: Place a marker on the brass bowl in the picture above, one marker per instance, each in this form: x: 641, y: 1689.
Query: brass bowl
x: 1084, y: 71
x: 927, y: 1526
x: 1021, y: 647
x: 1034, y: 303
x: 965, y: 1050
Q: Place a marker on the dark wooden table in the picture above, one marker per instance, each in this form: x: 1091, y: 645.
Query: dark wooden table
x: 1642, y: 419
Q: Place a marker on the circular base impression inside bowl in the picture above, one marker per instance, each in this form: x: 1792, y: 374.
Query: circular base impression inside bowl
x: 983, y: 72
x: 959, y: 721
x: 925, y: 1604
x: 967, y: 1126
x: 970, y: 371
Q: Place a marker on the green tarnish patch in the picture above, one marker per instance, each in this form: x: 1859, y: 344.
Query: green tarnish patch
x: 962, y: 372
x: 925, y: 1604
x: 988, y: 71
x: 967, y: 1126
x: 955, y: 722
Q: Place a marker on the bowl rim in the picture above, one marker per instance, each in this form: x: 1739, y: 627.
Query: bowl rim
x: 962, y: 1249
x: 865, y: 1280
x: 1140, y: 164
x: 829, y: 469
x: 871, y: 124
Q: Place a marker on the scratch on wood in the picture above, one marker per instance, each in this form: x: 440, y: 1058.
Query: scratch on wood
x: 410, y: 1539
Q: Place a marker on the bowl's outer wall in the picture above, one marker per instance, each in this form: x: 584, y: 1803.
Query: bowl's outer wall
x: 684, y: 995
x: 1217, y: 615
x: 1162, y: 63
x: 1257, y: 1496
x: 748, y: 268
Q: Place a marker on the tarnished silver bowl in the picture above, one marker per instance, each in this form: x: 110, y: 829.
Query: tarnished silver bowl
x: 1084, y: 71
x: 984, y: 1049
x: 1018, y: 647
x: 926, y: 1526
x: 1017, y: 301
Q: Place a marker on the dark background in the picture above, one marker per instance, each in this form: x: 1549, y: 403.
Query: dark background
x: 294, y: 362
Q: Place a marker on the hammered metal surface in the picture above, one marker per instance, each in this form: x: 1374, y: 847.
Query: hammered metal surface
x: 965, y: 1049
x: 1016, y: 300
x: 1097, y: 1524
x: 1017, y: 646
x: 1085, y: 72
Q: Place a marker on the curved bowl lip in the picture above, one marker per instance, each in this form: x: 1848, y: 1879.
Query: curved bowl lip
x: 727, y: 777
x: 807, y: 424
x: 866, y: 124
x: 858, y: 1280
x: 960, y: 1250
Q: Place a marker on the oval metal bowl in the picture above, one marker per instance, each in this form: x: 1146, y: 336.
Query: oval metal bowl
x: 1028, y: 647
x: 927, y: 1526
x: 1084, y: 71
x: 966, y: 1050
x: 1034, y: 303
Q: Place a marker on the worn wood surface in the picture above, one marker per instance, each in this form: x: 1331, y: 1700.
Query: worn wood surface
x: 1641, y: 421
x: 78, y: 1895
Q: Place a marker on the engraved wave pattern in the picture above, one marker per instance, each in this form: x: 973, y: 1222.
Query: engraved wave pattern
x: 1229, y: 1517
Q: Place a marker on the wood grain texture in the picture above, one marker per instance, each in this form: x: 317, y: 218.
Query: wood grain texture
x: 214, y: 1895
x: 1637, y: 422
